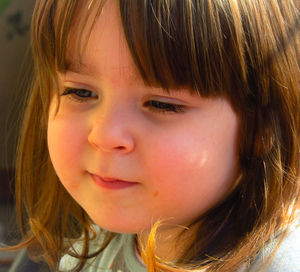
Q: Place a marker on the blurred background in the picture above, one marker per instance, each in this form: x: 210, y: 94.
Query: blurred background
x: 15, y: 17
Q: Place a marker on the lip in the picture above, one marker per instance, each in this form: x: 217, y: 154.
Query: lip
x: 112, y: 183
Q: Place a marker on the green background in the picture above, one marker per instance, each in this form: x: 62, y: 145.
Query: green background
x: 3, y: 5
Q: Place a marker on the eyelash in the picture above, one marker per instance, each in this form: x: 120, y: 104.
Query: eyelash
x: 77, y: 94
x: 82, y: 95
x: 163, y: 107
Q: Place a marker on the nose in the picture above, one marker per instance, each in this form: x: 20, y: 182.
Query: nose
x: 111, y: 131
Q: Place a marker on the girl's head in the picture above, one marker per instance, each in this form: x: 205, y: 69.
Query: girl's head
x: 195, y: 104
x: 177, y: 152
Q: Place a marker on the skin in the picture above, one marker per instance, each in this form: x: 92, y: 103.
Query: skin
x: 183, y: 163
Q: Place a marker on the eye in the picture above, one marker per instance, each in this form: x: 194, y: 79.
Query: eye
x: 163, y: 107
x: 79, y: 95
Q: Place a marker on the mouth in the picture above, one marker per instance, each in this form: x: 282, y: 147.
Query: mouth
x: 112, y: 183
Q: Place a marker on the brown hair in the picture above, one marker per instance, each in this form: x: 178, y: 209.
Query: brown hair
x: 247, y: 51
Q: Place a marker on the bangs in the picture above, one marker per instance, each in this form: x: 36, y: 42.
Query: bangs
x: 174, y: 44
x: 210, y: 47
x: 52, y: 22
x: 190, y: 44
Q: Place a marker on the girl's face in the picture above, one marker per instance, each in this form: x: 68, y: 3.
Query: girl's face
x: 177, y: 152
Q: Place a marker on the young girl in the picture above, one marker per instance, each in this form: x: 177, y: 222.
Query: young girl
x: 162, y: 136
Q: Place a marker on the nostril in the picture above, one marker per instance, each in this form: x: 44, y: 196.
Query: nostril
x: 120, y: 147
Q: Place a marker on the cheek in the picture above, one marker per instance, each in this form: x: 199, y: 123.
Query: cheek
x: 177, y: 157
x: 194, y: 170
x: 179, y: 152
x: 66, y: 140
x: 178, y: 163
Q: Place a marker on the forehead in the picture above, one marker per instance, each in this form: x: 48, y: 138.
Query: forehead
x: 101, y: 48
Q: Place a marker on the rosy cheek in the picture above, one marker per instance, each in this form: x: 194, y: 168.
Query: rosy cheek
x: 182, y: 152
x: 173, y: 160
x: 65, y: 142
